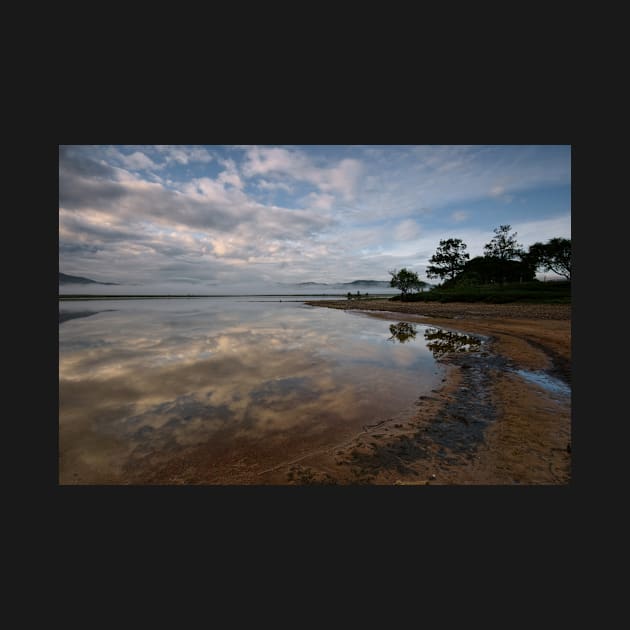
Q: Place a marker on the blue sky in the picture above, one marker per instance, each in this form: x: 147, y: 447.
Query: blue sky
x: 203, y: 217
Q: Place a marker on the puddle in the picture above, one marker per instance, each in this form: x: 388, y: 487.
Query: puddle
x: 441, y: 342
x: 545, y: 381
x: 403, y: 332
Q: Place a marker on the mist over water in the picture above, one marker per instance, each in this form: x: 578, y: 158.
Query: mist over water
x: 241, y: 288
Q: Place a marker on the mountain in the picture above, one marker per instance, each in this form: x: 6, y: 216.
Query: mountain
x: 66, y: 279
x: 363, y: 283
x: 379, y: 283
x: 368, y: 283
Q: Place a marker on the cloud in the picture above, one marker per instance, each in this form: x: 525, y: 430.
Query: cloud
x: 341, y: 178
x: 230, y: 174
x: 183, y: 154
x: 499, y: 193
x: 142, y: 223
x: 261, y: 161
x: 265, y: 185
x: 138, y: 161
x: 204, y: 203
x: 284, y: 213
x: 320, y: 201
x: 82, y: 162
x: 542, y: 230
x: 401, y: 181
x: 406, y: 230
x: 135, y: 161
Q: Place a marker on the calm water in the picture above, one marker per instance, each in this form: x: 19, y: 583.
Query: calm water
x: 250, y: 383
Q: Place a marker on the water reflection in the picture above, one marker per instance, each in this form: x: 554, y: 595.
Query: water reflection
x: 143, y: 383
x: 441, y: 342
x: 402, y: 332
x: 64, y: 316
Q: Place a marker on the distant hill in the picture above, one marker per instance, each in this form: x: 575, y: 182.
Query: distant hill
x: 368, y: 283
x: 363, y: 283
x: 66, y: 279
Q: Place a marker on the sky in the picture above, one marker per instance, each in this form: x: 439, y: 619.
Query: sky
x: 207, y: 219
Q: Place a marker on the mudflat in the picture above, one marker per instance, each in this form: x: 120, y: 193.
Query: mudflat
x: 501, y: 416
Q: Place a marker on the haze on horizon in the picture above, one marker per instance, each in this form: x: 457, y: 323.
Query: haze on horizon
x: 243, y: 219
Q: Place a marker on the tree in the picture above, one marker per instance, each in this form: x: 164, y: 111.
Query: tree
x: 489, y: 270
x: 448, y: 260
x: 555, y: 255
x: 503, y: 246
x: 405, y: 280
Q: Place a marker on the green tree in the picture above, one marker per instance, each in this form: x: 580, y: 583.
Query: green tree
x: 554, y: 255
x: 503, y: 245
x: 405, y: 280
x: 489, y: 270
x: 503, y: 248
x: 448, y: 260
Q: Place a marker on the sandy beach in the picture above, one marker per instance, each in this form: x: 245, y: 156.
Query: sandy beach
x: 231, y: 315
x: 499, y: 416
x: 487, y: 424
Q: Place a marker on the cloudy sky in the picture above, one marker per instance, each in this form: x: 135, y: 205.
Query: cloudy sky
x: 205, y: 218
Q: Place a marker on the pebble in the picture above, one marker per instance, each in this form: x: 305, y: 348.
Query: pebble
x: 432, y: 477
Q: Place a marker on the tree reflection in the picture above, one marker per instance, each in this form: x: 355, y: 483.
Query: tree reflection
x: 442, y: 341
x: 402, y: 332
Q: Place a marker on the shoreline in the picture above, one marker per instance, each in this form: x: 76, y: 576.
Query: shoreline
x: 499, y: 414
x: 487, y: 424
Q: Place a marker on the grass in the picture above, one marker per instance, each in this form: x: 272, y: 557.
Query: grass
x: 526, y: 292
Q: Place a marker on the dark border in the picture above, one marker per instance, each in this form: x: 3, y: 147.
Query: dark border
x: 323, y: 512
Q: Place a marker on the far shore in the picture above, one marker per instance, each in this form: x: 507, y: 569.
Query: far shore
x: 299, y: 297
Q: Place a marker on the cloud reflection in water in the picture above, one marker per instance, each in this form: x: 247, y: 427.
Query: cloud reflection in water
x: 155, y: 378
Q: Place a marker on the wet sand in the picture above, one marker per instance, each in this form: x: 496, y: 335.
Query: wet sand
x: 484, y: 425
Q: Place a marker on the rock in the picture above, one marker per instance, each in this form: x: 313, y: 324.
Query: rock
x: 432, y: 476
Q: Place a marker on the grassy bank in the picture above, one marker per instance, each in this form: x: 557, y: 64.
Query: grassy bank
x: 526, y: 292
